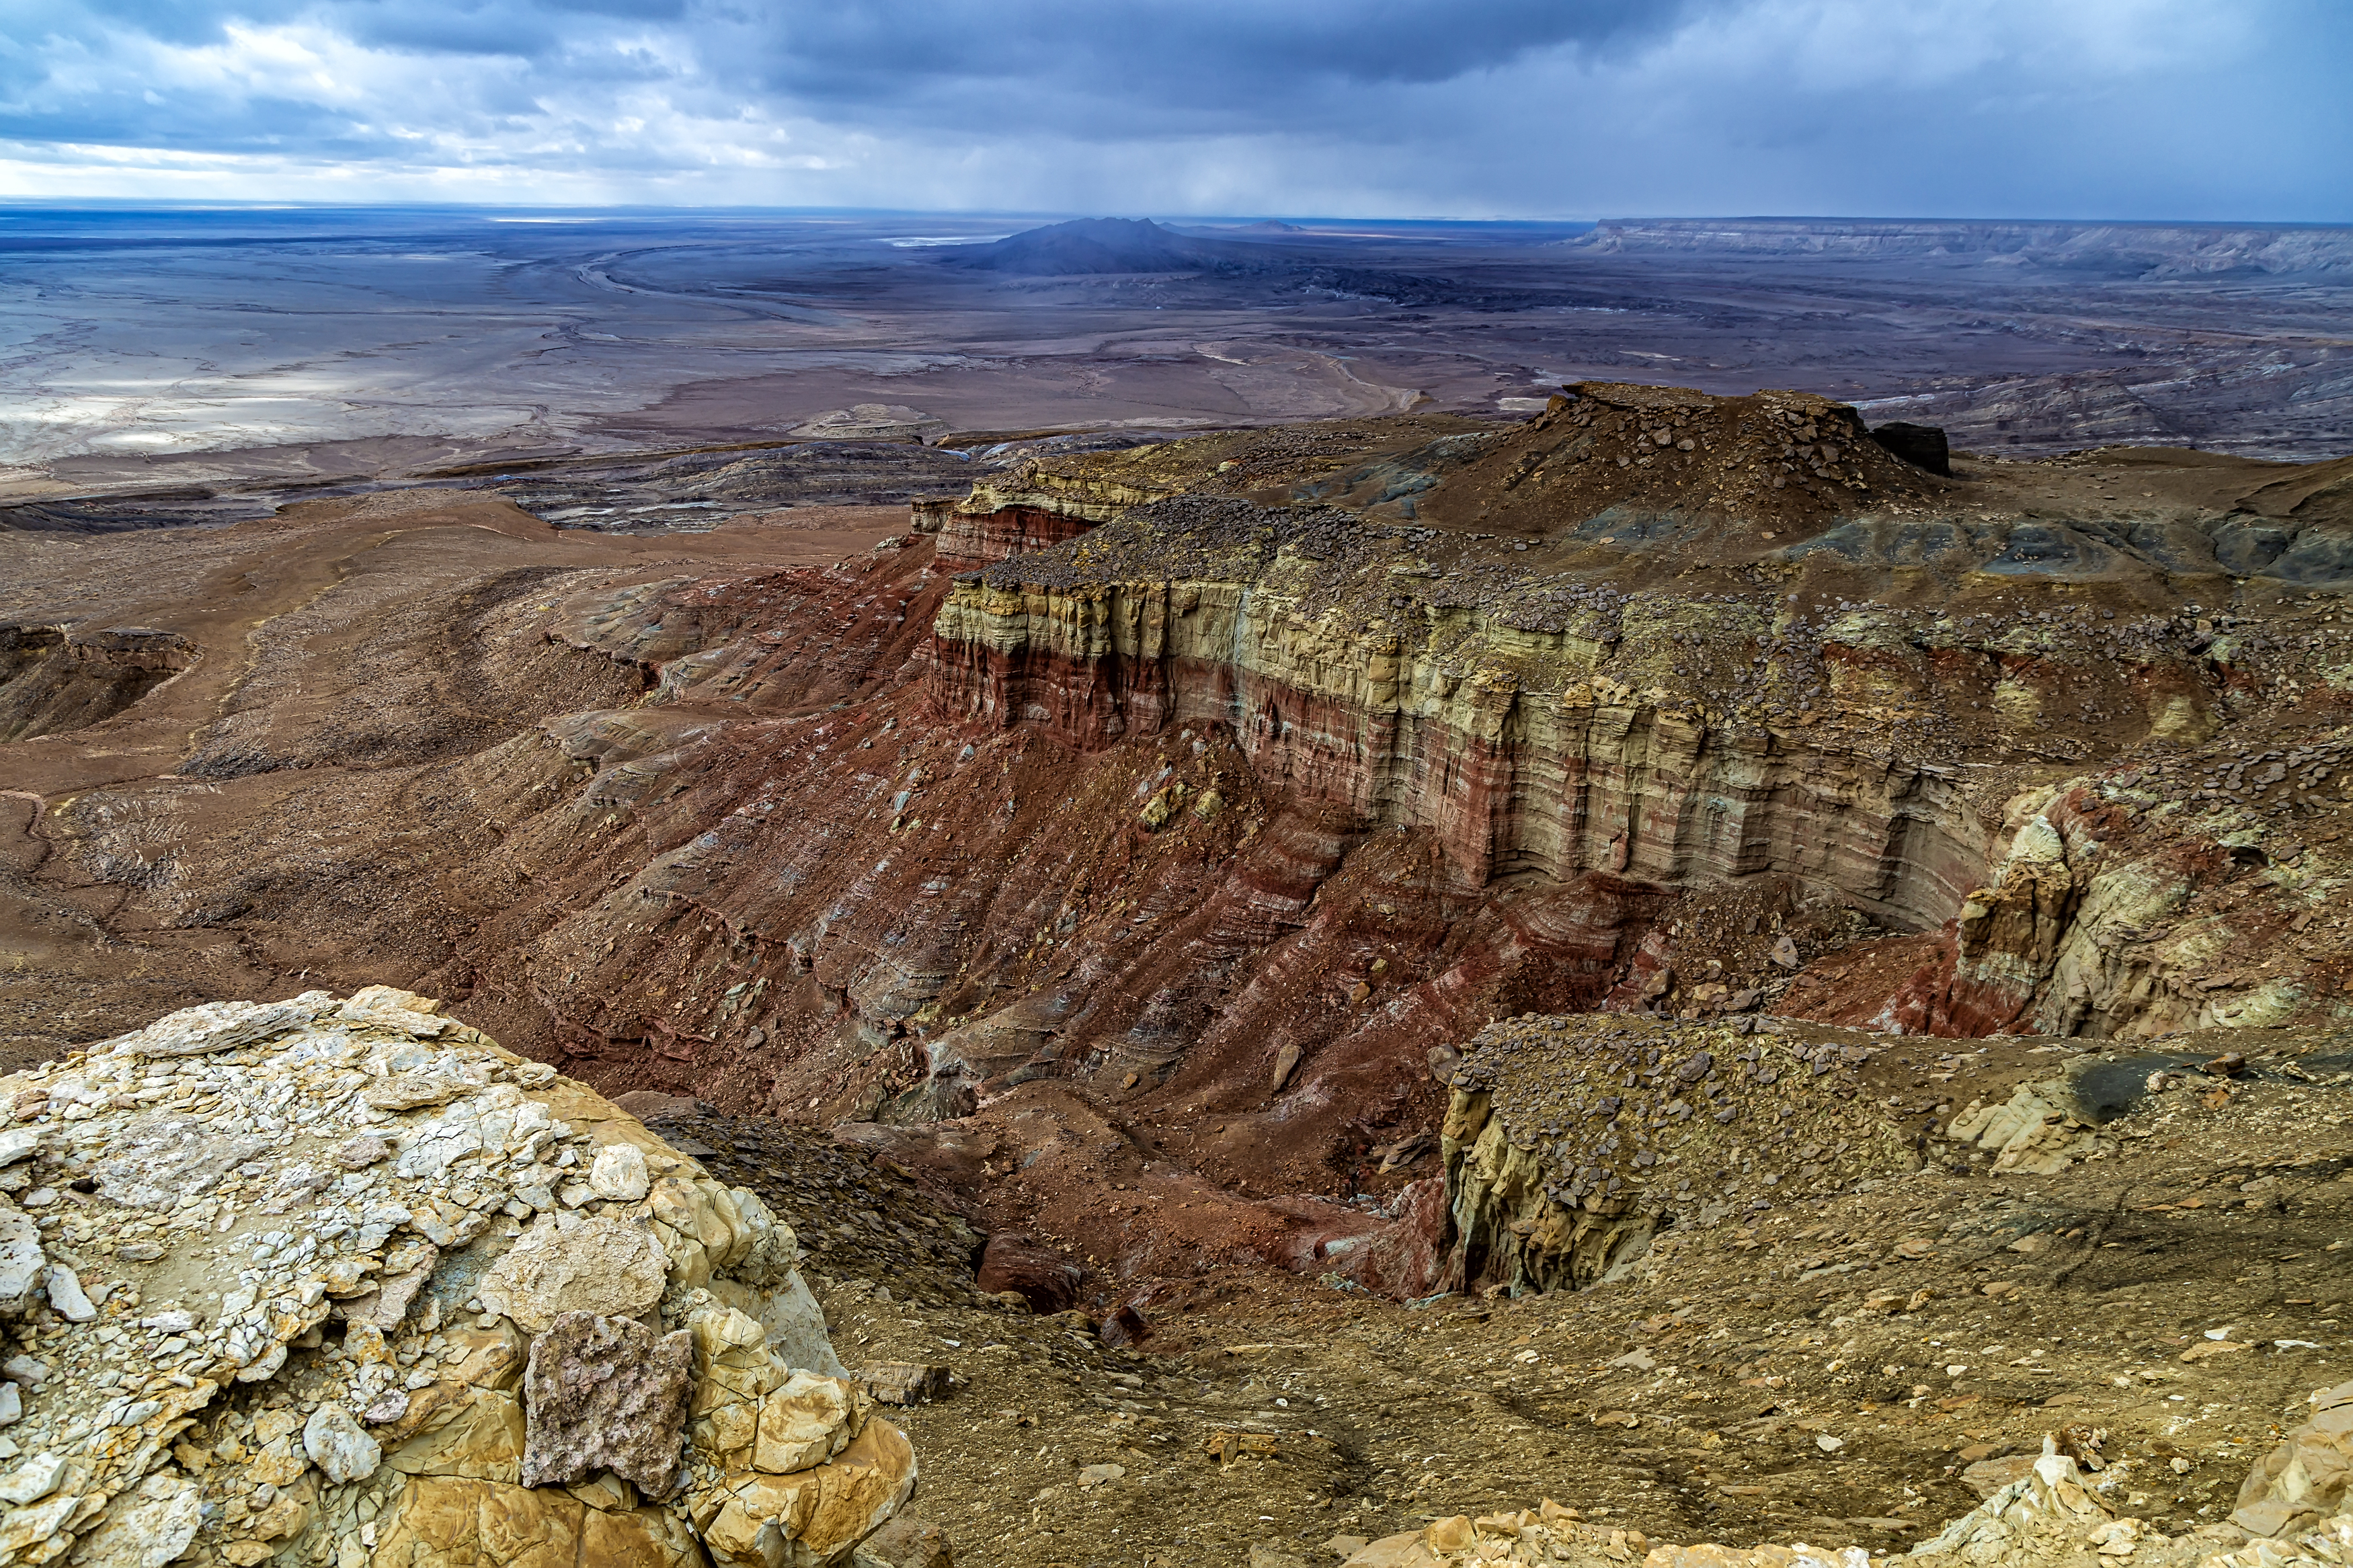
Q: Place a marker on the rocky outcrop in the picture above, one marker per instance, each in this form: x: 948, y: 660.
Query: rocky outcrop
x: 288, y: 1302
x: 1030, y: 508
x: 1570, y: 1144
x: 1922, y: 446
x: 2143, y: 901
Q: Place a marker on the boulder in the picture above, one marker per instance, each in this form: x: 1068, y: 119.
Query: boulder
x: 1922, y: 446
x: 1044, y: 1277
x: 2303, y: 1479
x: 607, y: 1394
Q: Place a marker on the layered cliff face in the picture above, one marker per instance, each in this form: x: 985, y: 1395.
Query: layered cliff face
x: 1887, y: 751
x: 1029, y: 509
x: 1541, y: 731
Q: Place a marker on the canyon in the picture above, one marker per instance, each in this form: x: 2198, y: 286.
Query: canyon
x: 1182, y: 808
x: 1401, y: 871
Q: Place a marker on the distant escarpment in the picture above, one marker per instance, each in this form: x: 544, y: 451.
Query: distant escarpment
x: 2126, y: 249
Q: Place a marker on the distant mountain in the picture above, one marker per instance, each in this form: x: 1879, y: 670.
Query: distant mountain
x: 1110, y: 245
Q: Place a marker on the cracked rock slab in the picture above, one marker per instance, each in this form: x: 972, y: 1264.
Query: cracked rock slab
x: 607, y: 1394
x: 598, y: 1265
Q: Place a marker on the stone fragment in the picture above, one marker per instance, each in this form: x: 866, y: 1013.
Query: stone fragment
x: 265, y: 1366
x: 607, y: 1394
x: 596, y: 1265
x: 28, y: 1527
x: 619, y: 1174
x: 18, y: 1144
x: 386, y: 1308
x: 402, y: 1012
x: 22, y: 1265
x: 905, y: 1382
x: 2305, y: 1478
x: 1041, y: 1277
x: 389, y: 1407
x: 347, y: 1276
x: 805, y: 1422
x: 34, y: 1479
x: 429, y: 1150
x: 906, y: 1541
x: 1286, y: 1062
x: 1987, y: 1477
x: 795, y: 1326
x: 67, y: 1297
x: 2030, y: 1517
x: 334, y: 1442
x: 217, y: 1027
x: 361, y: 1151
x: 414, y: 1090
x: 12, y: 1404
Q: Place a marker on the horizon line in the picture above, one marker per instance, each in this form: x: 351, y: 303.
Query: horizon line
x: 199, y: 204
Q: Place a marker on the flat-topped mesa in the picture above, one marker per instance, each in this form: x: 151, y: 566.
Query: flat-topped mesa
x: 1577, y: 692
x: 345, y: 1279
x: 1531, y: 724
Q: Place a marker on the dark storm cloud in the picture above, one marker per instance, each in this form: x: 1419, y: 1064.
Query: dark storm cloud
x: 1222, y: 48
x: 2131, y: 107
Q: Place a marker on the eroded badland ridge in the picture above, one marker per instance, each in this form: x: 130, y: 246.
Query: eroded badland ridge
x: 1811, y: 965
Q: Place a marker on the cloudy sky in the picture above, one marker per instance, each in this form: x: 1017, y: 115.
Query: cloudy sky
x: 2135, y: 109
